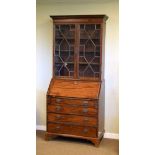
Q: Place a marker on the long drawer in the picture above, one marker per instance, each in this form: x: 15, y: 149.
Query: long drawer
x: 72, y: 129
x: 72, y: 119
x: 72, y: 101
x: 64, y: 109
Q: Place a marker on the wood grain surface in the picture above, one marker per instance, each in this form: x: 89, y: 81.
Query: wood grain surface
x: 85, y: 111
x: 73, y: 88
x: 72, y: 129
x: 72, y: 119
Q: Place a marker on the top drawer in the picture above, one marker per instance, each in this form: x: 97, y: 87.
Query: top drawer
x: 71, y: 101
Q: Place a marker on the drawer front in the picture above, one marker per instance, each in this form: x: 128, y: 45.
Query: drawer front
x: 72, y: 130
x: 64, y: 109
x: 72, y: 119
x: 70, y: 101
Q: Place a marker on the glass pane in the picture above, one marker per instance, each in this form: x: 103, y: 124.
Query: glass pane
x: 64, y: 50
x: 89, y: 51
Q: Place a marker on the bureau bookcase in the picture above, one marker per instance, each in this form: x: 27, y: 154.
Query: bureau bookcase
x: 75, y: 97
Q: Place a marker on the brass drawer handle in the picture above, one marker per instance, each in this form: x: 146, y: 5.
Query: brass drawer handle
x: 58, y: 108
x: 86, y: 119
x: 85, y: 110
x: 58, y: 117
x: 85, y: 130
x: 57, y: 127
x: 58, y: 100
x: 85, y: 103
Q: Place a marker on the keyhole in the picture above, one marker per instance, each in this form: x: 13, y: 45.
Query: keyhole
x: 65, y: 64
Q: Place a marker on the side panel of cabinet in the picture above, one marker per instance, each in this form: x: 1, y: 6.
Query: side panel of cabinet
x: 101, y: 114
x: 101, y: 111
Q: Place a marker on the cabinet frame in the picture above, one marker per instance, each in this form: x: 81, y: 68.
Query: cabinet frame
x: 87, y: 93
x: 77, y: 21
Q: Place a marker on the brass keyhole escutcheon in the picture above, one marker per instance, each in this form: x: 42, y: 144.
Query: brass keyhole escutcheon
x: 75, y: 82
x: 65, y: 64
x: 85, y: 110
x: 85, y: 130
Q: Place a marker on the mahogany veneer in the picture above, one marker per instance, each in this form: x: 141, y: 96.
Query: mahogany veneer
x: 75, y: 97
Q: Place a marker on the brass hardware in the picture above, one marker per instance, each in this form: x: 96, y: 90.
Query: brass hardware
x: 65, y: 64
x: 58, y: 100
x: 57, y: 127
x: 75, y: 82
x: 58, y: 108
x: 85, y: 130
x: 85, y: 103
x: 58, y: 117
x: 85, y: 110
x: 86, y: 119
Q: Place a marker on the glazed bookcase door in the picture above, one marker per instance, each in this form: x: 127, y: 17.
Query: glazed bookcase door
x: 89, y: 51
x: 64, y: 50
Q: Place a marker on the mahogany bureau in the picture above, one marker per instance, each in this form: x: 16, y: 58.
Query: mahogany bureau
x: 75, y: 97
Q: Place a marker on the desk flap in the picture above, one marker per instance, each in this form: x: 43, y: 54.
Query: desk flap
x: 74, y: 88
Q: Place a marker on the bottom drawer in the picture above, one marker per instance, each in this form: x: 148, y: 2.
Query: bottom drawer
x: 72, y: 130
